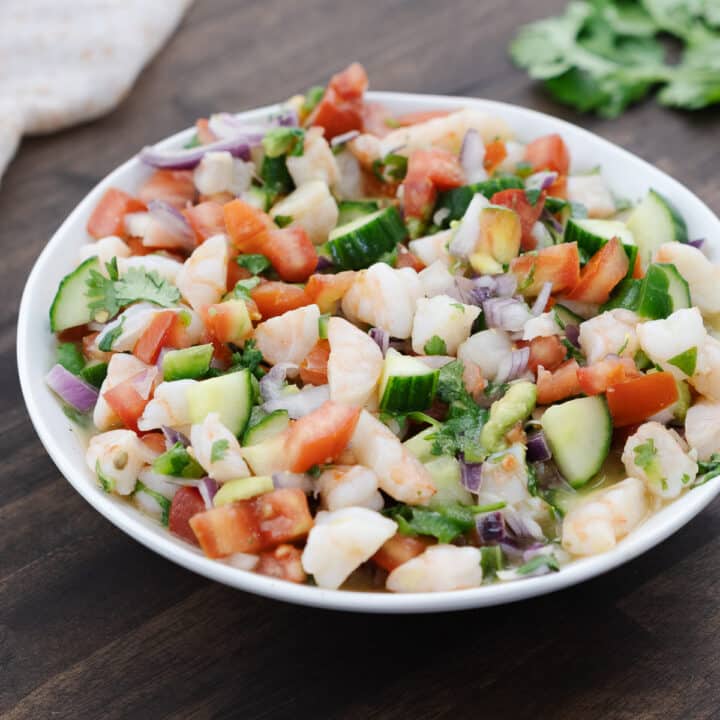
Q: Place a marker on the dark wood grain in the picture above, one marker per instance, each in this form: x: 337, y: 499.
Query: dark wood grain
x: 92, y: 625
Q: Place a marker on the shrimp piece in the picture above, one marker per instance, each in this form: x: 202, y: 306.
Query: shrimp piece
x: 166, y: 267
x: 220, y: 172
x: 105, y: 250
x: 444, y: 317
x: 702, y: 275
x: 596, y: 525
x: 118, y: 457
x: 706, y: 379
x: 217, y: 450
x: 355, y: 364
x: 340, y: 541
x: 439, y: 568
x: 662, y: 340
x: 289, y: 337
x: 436, y: 279
x: 384, y: 297
x: 316, y: 163
x: 350, y: 184
x: 515, y: 155
x: 592, y: 192
x: 486, y: 349
x: 702, y: 428
x: 400, y: 474
x: 120, y: 368
x: 312, y: 207
x: 350, y: 487
x: 612, y: 333
x: 655, y: 455
x: 169, y: 406
x: 202, y: 280
x: 543, y: 325
x: 433, y: 248
x: 505, y: 477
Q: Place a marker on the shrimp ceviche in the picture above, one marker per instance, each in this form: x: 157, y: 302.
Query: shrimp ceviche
x: 409, y: 353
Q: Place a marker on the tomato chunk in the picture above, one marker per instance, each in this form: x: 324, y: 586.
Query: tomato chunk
x: 154, y: 337
x: 186, y: 503
x: 155, y: 441
x: 495, y: 153
x: 291, y: 253
x: 109, y: 214
x: 341, y: 107
x: 598, y: 377
x: 326, y: 290
x: 206, y: 219
x: 605, y: 269
x: 175, y: 187
x: 275, y: 298
x: 636, y: 400
x: 407, y: 259
x: 320, y: 436
x: 429, y: 171
x: 548, y: 153
x: 399, y: 549
x: 558, y: 385
x: 558, y: 264
x: 129, y: 398
x: 546, y: 351
x: 518, y: 201
x: 284, y: 563
x: 313, y: 369
x: 247, y: 226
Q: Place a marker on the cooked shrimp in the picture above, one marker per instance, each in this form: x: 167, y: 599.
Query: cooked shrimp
x: 316, y: 163
x: 312, y: 207
x: 340, y: 541
x: 203, y: 277
x: 220, y: 172
x: 400, y: 474
x: 655, y: 455
x: 384, y: 297
x: 607, y: 516
x: 444, y: 317
x: 289, y: 337
x: 505, y: 477
x: 166, y: 267
x: 121, y: 367
x: 439, y: 568
x: 592, y: 192
x: 486, y: 349
x: 701, y: 274
x: 169, y: 406
x: 612, y: 333
x: 702, y: 428
x: 706, y: 379
x: 217, y: 450
x: 105, y: 250
x: 433, y: 248
x: 350, y: 487
x: 350, y: 185
x: 543, y: 325
x: 436, y: 279
x: 118, y: 457
x: 354, y: 365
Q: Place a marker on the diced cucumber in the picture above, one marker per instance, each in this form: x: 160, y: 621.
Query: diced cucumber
x: 323, y: 326
x: 407, y: 383
x: 654, y: 222
x: 624, y: 296
x: 267, y: 427
x: 420, y: 445
x: 242, y: 489
x: 70, y: 306
x: 275, y: 175
x: 231, y: 396
x: 555, y: 204
x: 361, y: 242
x: 349, y: 210
x: 267, y: 457
x: 591, y: 235
x: 457, y: 200
x: 95, y: 373
x: 491, y: 560
x: 564, y: 316
x: 258, y: 197
x: 445, y: 474
x: 579, y: 434
x: 663, y: 290
x: 192, y: 362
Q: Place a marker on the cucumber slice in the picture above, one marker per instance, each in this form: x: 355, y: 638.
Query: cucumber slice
x: 564, y: 316
x: 360, y: 243
x: 591, y: 235
x: 267, y: 427
x: 275, y: 175
x: 267, y: 457
x: 242, y: 489
x: 663, y: 291
x: 555, y: 204
x: 654, y: 222
x: 258, y: 197
x: 70, y: 306
x: 625, y: 295
x: 94, y: 374
x: 579, y: 434
x: 445, y: 474
x: 457, y: 200
x: 231, y: 396
x: 349, y: 210
x: 192, y: 362
x: 406, y: 384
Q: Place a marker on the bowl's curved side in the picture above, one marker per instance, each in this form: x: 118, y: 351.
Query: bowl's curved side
x: 626, y: 173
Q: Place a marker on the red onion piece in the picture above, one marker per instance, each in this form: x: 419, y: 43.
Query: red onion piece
x: 514, y: 365
x: 697, y: 243
x: 144, y: 381
x: 538, y: 307
x: 381, y: 337
x: 289, y: 480
x: 207, y: 487
x: 440, y: 216
x: 572, y: 333
x: 173, y: 437
x: 344, y: 138
x: 522, y: 525
x: 174, y: 229
x: 188, y: 158
x: 541, y: 180
x: 536, y: 548
x: 472, y: 155
x: 537, y: 448
x: 549, y: 218
x: 506, y: 313
x: 471, y: 475
x: 491, y: 527
x: 74, y: 391
x: 323, y: 263
x: 505, y: 285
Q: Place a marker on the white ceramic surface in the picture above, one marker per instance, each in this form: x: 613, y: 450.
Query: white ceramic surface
x: 626, y: 174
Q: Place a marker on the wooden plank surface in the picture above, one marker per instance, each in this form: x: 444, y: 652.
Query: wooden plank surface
x: 92, y: 625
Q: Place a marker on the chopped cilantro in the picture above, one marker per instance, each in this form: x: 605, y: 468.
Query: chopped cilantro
x: 219, y: 450
x: 75, y: 416
x: 538, y: 562
x: 707, y: 469
x: 283, y: 220
x: 248, y: 357
x: 645, y: 454
x: 106, y: 483
x: 532, y: 196
x: 254, y: 263
x: 243, y: 287
x: 435, y: 346
x: 111, y: 336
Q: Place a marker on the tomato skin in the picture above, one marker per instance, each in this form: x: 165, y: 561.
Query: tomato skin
x: 109, y: 214
x: 558, y: 264
x: 495, y: 153
x: 284, y: 563
x: 341, y: 107
x: 326, y: 290
x: 275, y: 298
x: 175, y: 187
x: 155, y: 441
x: 399, y: 549
x: 429, y: 171
x: 291, y: 253
x: 206, y: 219
x: 313, y: 368
x: 605, y: 269
x: 126, y: 401
x: 516, y: 200
x: 548, y: 153
x: 148, y: 346
x: 598, y: 377
x: 558, y: 385
x: 247, y: 226
x: 186, y: 503
x: 350, y: 83
x: 321, y: 436
x: 636, y: 400
x: 546, y: 351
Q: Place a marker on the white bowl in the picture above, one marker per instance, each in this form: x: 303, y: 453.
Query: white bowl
x: 626, y: 174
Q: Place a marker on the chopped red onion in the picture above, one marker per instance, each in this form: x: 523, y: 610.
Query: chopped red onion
x: 549, y: 218
x: 299, y: 404
x: 74, y: 391
x: 171, y: 222
x: 188, y: 158
x: 697, y: 243
x: 207, y: 487
x: 471, y: 475
x: 572, y: 333
x: 381, y: 337
x: 289, y: 480
x: 542, y: 299
x: 522, y: 525
x: 505, y: 285
x: 536, y: 548
x: 491, y: 527
x: 506, y: 314
x: 512, y: 366
x: 272, y: 383
x: 537, y: 448
x: 173, y: 437
x: 323, y: 263
x: 472, y: 155
x: 541, y: 180
x: 344, y: 138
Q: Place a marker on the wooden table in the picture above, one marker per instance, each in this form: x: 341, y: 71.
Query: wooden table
x: 93, y: 625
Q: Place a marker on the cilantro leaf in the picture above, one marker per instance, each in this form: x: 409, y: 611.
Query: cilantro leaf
x: 708, y: 469
x: 219, y: 450
x: 435, y: 346
x: 312, y: 97
x: 243, y: 287
x: 248, y: 357
x: 645, y: 454
x: 460, y: 434
x: 451, y: 387
x: 253, y: 263
x: 70, y: 357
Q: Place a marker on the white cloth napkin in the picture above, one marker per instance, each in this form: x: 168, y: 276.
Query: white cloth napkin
x: 66, y: 61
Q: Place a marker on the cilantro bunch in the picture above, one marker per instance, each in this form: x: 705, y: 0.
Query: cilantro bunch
x: 603, y: 55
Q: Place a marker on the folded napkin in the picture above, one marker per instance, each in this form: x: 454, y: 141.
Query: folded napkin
x: 66, y: 61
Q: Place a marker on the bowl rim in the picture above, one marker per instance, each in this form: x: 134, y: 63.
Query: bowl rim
x: 160, y: 541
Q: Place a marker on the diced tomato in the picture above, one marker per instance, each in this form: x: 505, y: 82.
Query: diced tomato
x: 186, y: 503
x: 325, y: 290
x: 406, y: 259
x: 204, y: 134
x: 351, y: 83
x: 638, y: 273
x: 636, y: 400
x: 175, y: 187
x: 275, y: 298
x: 236, y: 273
x: 227, y: 322
x: 177, y: 336
x: 546, y: 351
x: 154, y: 337
x: 206, y: 219
x: 284, y: 562
x: 291, y: 253
x: 420, y: 116
x: 137, y: 248
x: 341, y: 107
x: 129, y: 398
x: 548, y: 153
x: 558, y: 264
x: 313, y: 368
x: 253, y: 525
x: 598, y: 377
x: 429, y: 171
x: 321, y: 436
x: 495, y: 153
x: 558, y: 385
x: 419, y: 195
x: 155, y: 441
x: 377, y: 120
x: 559, y: 188
x: 399, y: 549
x: 247, y: 226
x: 108, y: 216
x: 605, y: 269
x: 517, y: 200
